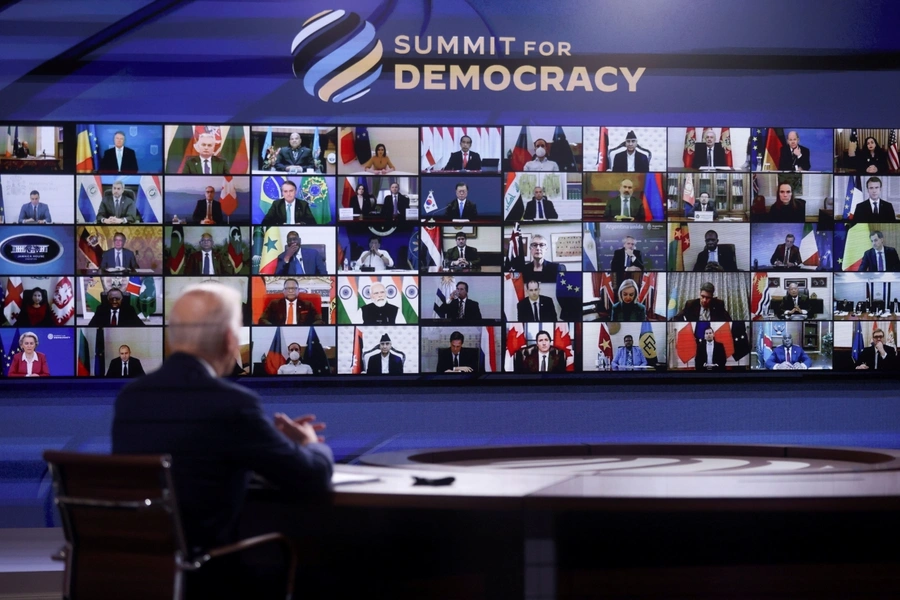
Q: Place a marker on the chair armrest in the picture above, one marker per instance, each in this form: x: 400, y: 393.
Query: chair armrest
x: 247, y: 543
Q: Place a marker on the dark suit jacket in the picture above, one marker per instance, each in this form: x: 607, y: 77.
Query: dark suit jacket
x: 469, y: 212
x: 108, y: 260
x: 614, y: 209
x: 641, y: 162
x: 691, y: 311
x: 200, y: 212
x: 451, y: 311
x: 361, y: 209
x: 135, y: 369
x: 870, y: 260
x: 794, y: 256
x: 194, y: 264
x: 276, y: 313
x: 217, y: 434
x: 787, y: 303
x: 285, y: 158
x: 787, y: 161
x: 108, y: 209
x: 19, y: 368
x: 700, y: 156
x: 710, y: 207
x: 531, y: 210
x: 547, y: 274
x: 387, y: 209
x: 718, y: 357
x: 27, y: 212
x: 395, y: 365
x: 726, y: 259
x: 525, y: 312
x: 277, y: 214
x: 779, y: 355
x: 867, y: 357
x: 863, y: 212
x: 375, y: 315
x: 218, y: 166
x: 455, y: 162
x: 468, y: 357
x: 313, y: 263
x: 471, y: 255
x: 618, y: 260
x: 556, y: 362
x: 127, y: 316
x: 109, y: 164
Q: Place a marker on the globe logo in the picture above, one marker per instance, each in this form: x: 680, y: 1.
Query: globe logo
x: 337, y: 56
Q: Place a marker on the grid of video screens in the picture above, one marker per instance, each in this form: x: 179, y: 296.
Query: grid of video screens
x: 435, y: 249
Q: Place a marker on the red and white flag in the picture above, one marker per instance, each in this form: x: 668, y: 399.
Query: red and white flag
x: 63, y: 308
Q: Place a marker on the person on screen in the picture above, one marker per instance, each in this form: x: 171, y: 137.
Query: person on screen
x: 294, y: 366
x: 119, y: 158
x: 287, y: 210
x: 626, y: 259
x: 724, y: 256
x: 294, y: 158
x: 786, y: 255
x: 710, y: 353
x: 292, y: 310
x: 35, y: 212
x: 384, y: 363
x: 375, y: 259
x: 208, y: 210
x: 464, y: 159
x: 395, y: 204
x: 873, y: 159
x: 539, y: 208
x: 787, y: 209
x: 540, y: 269
x: 379, y: 311
x: 625, y: 207
x: 792, y: 303
x: 534, y: 307
x: 788, y: 356
x: 457, y: 359
x: 125, y: 366
x: 705, y: 308
x: 874, y: 209
x: 544, y: 358
x: 631, y: 161
x: 117, y: 208
x: 794, y: 157
x: 879, y: 258
x: 704, y: 205
x: 113, y: 312
x: 207, y: 163
x: 207, y: 261
x: 711, y: 154
x: 628, y: 356
x: 540, y: 162
x: 628, y: 308
x: 118, y: 258
x: 29, y: 362
x: 460, y: 309
x: 461, y: 207
x: 297, y: 260
x: 362, y: 203
x: 877, y: 356
x: 36, y: 313
x: 462, y: 256
x: 22, y: 151
x: 379, y: 163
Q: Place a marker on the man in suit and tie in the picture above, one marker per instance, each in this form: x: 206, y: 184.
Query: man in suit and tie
x: 294, y: 158
x: 35, y: 211
x: 462, y: 256
x: 292, y: 310
x: 457, y: 359
x: 464, y: 160
x: 208, y: 210
x: 117, y: 209
x: 543, y: 358
x: 461, y: 207
x: 126, y: 366
x: 395, y: 204
x: 874, y: 209
x: 626, y: 258
x: 379, y: 311
x: 288, y: 210
x: 877, y: 356
x: 625, y: 207
x: 792, y: 303
x: 115, y: 313
x: 710, y: 353
x: 706, y: 308
x: 534, y: 307
x: 207, y: 163
x: 460, y: 309
x: 385, y: 362
x: 786, y: 255
x: 207, y: 261
x: 704, y: 205
x: 118, y: 258
x: 628, y: 356
x: 788, y: 356
x: 119, y: 158
x: 712, y: 154
x: 539, y: 208
x: 296, y: 260
x: 794, y: 157
x: 724, y: 257
x: 879, y: 258
x: 631, y: 161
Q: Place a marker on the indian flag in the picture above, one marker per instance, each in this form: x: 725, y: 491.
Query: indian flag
x: 409, y: 303
x: 351, y: 301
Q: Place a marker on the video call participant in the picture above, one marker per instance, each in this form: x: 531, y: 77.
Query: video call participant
x: 291, y: 311
x: 788, y: 356
x: 539, y: 269
x: 787, y: 209
x: 457, y: 359
x: 362, y: 203
x: 540, y: 162
x: 539, y: 208
x: 208, y: 210
x: 461, y: 207
x: 460, y: 309
x: 379, y: 311
x: 125, y: 366
x: 294, y: 366
x: 545, y: 359
x: 35, y: 211
x: 288, y: 210
x: 628, y: 356
x: 395, y: 204
x: 294, y: 158
x: 535, y: 307
x: 786, y: 255
x: 879, y: 258
x: 631, y: 161
x: 710, y: 353
x: 113, y: 312
x: 117, y: 208
x: 464, y: 159
x: 705, y: 308
x: 704, y: 205
x: 723, y: 256
x: 872, y: 159
x: 29, y: 362
x: 216, y: 431
x: 206, y: 261
x: 462, y: 256
x: 792, y: 304
x: 375, y: 259
x: 794, y: 157
x: 296, y: 260
x: 384, y: 363
x: 379, y: 163
x: 877, y: 356
x: 626, y: 259
x: 119, y: 158
x: 118, y: 258
x: 874, y: 209
x: 628, y: 309
x: 36, y: 312
x: 711, y: 154
x: 207, y: 163
x: 625, y: 207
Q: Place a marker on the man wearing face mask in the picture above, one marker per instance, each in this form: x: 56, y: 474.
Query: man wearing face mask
x: 713, y: 253
x: 541, y: 162
x: 294, y: 366
x: 788, y: 356
x: 379, y: 311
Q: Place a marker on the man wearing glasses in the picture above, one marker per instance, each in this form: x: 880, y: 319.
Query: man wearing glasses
x: 291, y: 310
x: 539, y: 269
x: 877, y: 356
x: 541, y: 162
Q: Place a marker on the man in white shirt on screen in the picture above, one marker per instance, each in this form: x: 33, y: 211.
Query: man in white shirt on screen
x: 540, y: 161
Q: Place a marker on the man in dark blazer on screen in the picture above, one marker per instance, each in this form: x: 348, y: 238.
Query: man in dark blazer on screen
x: 879, y: 257
x: 125, y: 366
x: 278, y: 212
x: 705, y: 308
x: 375, y: 364
x: 464, y: 159
x: 712, y: 149
x: 119, y: 158
x: 457, y: 359
x: 723, y: 255
x: 525, y: 307
x: 786, y: 255
x: 874, y: 209
x: 289, y: 262
x: 707, y: 360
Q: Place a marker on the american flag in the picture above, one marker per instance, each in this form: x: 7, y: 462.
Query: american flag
x: 893, y: 160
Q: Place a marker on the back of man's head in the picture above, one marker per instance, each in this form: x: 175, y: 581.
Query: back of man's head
x: 202, y: 319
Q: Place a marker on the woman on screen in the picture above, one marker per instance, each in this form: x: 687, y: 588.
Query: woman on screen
x: 37, y: 312
x: 787, y: 208
x: 29, y: 362
x: 627, y: 308
x: 362, y: 202
x: 872, y: 159
x: 380, y: 163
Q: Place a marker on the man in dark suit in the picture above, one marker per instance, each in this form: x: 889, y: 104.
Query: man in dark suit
x: 294, y: 158
x: 384, y: 363
x: 208, y: 210
x: 704, y: 205
x: 874, y: 210
x: 207, y: 163
x: 786, y: 255
x: 794, y: 157
x: 462, y: 256
x: 379, y: 311
x: 792, y: 303
x: 395, y: 204
x: 539, y: 208
x: 292, y: 310
x: 539, y: 269
x: 461, y: 207
x: 115, y: 313
x: 631, y: 161
x: 877, y: 356
x: 626, y: 258
x: 625, y: 207
x: 712, y: 253
x: 526, y: 311
x: 710, y: 155
x: 35, y: 211
x: 296, y: 260
x: 460, y: 309
x: 117, y: 208
x: 119, y: 159
x: 289, y: 204
x: 706, y: 308
x: 457, y: 359
x: 207, y: 261
x: 788, y: 356
x: 710, y: 353
x: 126, y: 366
x: 879, y: 257
x: 464, y: 160
x: 543, y: 358
x: 118, y: 257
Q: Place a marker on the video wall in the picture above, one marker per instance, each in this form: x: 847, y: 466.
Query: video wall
x: 468, y: 250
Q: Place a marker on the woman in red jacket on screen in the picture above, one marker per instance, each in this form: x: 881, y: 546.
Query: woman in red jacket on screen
x: 29, y: 362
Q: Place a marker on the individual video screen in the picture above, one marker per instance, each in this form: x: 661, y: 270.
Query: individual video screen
x: 620, y: 296
x: 118, y: 352
x: 623, y: 198
x: 37, y: 199
x: 790, y: 149
x: 294, y: 199
x: 207, y: 200
x: 378, y: 249
x: 709, y: 148
x: 294, y: 351
x: 792, y: 345
x: 716, y: 247
x: 48, y: 351
x: 625, y: 247
x: 379, y: 199
x: 119, y: 199
x: 709, y: 197
x: 791, y: 247
x: 468, y: 199
x: 868, y: 296
x: 294, y: 300
x: 379, y: 151
x: 542, y: 197
x: 541, y: 251
x: 791, y: 197
x: 36, y: 249
x: 539, y: 348
x: 710, y: 296
x: 461, y: 299
x: 867, y: 247
x: 293, y: 250
x: 543, y: 148
x: 207, y: 149
x: 293, y: 149
x: 461, y: 249
x: 242, y: 358
x: 625, y: 149
x: 119, y: 249
x: 461, y: 349
x: 378, y: 300
x: 32, y: 149
x: 709, y: 347
x: 865, y: 151
x: 865, y: 346
x: 37, y: 301
x: 794, y: 296
x: 119, y: 301
x: 866, y: 198
x: 378, y: 350
x: 175, y: 286
x: 636, y: 347
x: 527, y: 298
x: 119, y: 148
x: 464, y: 150
x: 206, y: 250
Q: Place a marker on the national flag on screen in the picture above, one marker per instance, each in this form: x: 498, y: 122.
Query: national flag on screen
x: 857, y: 242
x: 63, y: 307
x: 133, y: 286
x: 760, y: 296
x: 690, y: 141
x: 314, y: 355
x: 343, y: 248
x: 356, y: 357
x: 275, y: 356
x: 513, y: 293
x: 351, y: 300
x: 87, y: 151
x: 700, y: 331
x: 893, y: 158
x: 774, y: 143
x: 91, y: 291
x: 563, y: 342
x: 264, y: 151
x: 561, y: 152
x: 685, y: 343
x: 763, y: 345
x: 16, y: 141
x: 568, y: 294
x: 603, y: 148
x: 89, y: 244
x: 228, y: 196
x: 9, y: 140
x: 853, y: 196
x: 259, y: 235
x: 99, y: 353
x: 314, y: 190
x: 13, y: 350
x: 348, y: 191
x: 681, y: 241
x: 430, y: 202
x: 521, y: 153
x: 431, y: 239
x: 272, y: 247
x: 83, y: 369
x: 755, y: 185
x: 647, y: 293
x: 687, y: 194
x: 361, y: 145
x: 316, y: 148
x: 513, y: 207
x: 757, y: 151
x: 270, y: 191
x: 2, y: 359
x: 858, y: 343
x: 725, y: 138
x: 589, y: 258
x: 2, y: 207
x: 409, y: 299
x: 147, y: 298
x: 348, y: 141
x: 672, y: 304
x: 487, y: 358
x: 515, y: 251
x: 12, y: 302
x: 180, y: 149
x: 234, y: 150
x: 90, y: 195
x: 426, y: 138
x: 647, y: 344
x: 235, y: 249
x: 724, y: 336
x: 809, y: 249
x: 442, y: 293
x: 176, y: 250
x: 740, y: 340
x: 604, y: 348
x: 654, y: 202
x: 607, y: 292
x: 515, y: 341
x: 148, y: 191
